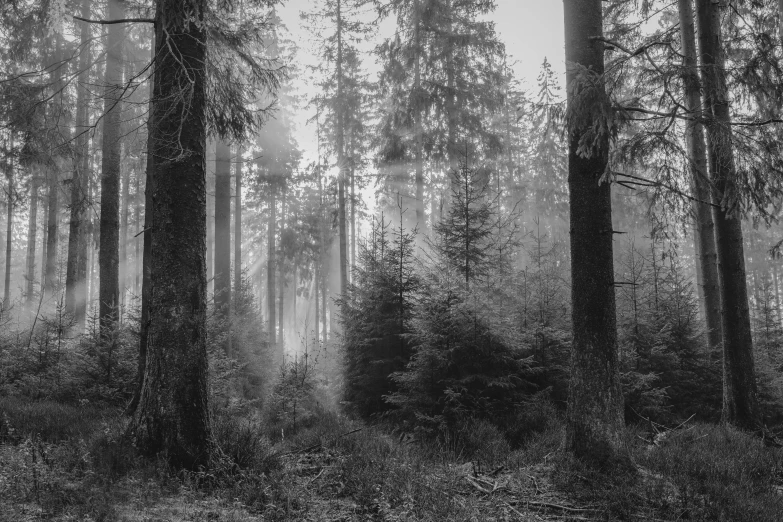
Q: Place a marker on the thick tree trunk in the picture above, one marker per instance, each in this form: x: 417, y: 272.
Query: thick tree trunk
x: 173, y: 414
x: 222, y: 228
x: 238, y: 228
x: 740, y: 402
x: 271, y: 266
x: 76, y: 268
x: 595, y: 403
x: 697, y: 154
x: 108, y: 253
x: 32, y: 230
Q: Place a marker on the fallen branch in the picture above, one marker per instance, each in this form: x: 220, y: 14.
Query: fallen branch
x: 558, y: 507
x: 320, y: 444
x: 476, y: 485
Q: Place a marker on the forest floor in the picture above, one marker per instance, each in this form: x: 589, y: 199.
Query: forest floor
x: 71, y: 464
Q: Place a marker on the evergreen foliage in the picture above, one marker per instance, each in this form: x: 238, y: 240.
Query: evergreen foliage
x: 467, y: 356
x: 377, y: 317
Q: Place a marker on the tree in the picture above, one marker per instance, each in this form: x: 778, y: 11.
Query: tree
x: 173, y: 415
x: 108, y: 254
x: 594, y: 418
x: 707, y: 267
x: 223, y: 231
x: 740, y: 401
x: 377, y: 313
x: 76, y: 270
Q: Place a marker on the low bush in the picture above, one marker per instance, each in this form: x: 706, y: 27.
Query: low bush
x: 719, y: 474
x: 47, y: 420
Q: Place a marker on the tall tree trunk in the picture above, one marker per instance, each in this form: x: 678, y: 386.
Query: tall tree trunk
x: 271, y: 265
x: 49, y: 276
x: 52, y: 232
x: 222, y: 228
x: 211, y: 145
x: 124, y: 265
x: 353, y: 218
x: 417, y: 114
x: 341, y: 162
x: 32, y: 230
x: 697, y: 154
x: 173, y: 414
x: 146, y: 264
x: 108, y: 253
x: 324, y: 276
x: 316, y: 282
x: 136, y: 238
x: 9, y: 230
x: 595, y: 403
x: 740, y: 402
x: 282, y: 280
x: 238, y: 229
x: 76, y: 268
x: 45, y: 237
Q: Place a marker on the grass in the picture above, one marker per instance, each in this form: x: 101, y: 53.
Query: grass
x: 71, y: 463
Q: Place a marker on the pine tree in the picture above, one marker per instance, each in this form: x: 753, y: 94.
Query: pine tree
x: 377, y: 314
x: 595, y: 415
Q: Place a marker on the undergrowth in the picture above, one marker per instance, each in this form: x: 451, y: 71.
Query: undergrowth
x: 72, y: 463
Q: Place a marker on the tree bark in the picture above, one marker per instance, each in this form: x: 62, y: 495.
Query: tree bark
x: 418, y: 129
x: 595, y: 403
x: 146, y: 263
x: 238, y: 228
x: 740, y: 401
x: 222, y: 228
x: 271, y: 265
x: 76, y: 268
x: 52, y: 232
x: 108, y: 253
x: 316, y: 282
x: 173, y: 414
x: 124, y: 216
x: 211, y: 145
x: 9, y: 230
x: 353, y: 219
x: 697, y: 155
x: 282, y: 281
x: 136, y: 238
x: 32, y: 229
x: 340, y: 130
x: 49, y: 254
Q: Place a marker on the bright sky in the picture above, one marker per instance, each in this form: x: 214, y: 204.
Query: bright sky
x: 531, y: 30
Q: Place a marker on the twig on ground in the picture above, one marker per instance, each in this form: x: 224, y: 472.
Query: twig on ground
x: 476, y: 485
x: 320, y: 444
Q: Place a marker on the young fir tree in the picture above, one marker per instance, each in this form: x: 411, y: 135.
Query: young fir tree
x: 467, y: 354
x: 376, y: 317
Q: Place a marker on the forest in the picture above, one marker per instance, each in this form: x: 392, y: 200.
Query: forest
x: 336, y: 260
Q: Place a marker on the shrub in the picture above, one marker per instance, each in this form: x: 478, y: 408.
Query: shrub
x: 719, y: 474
